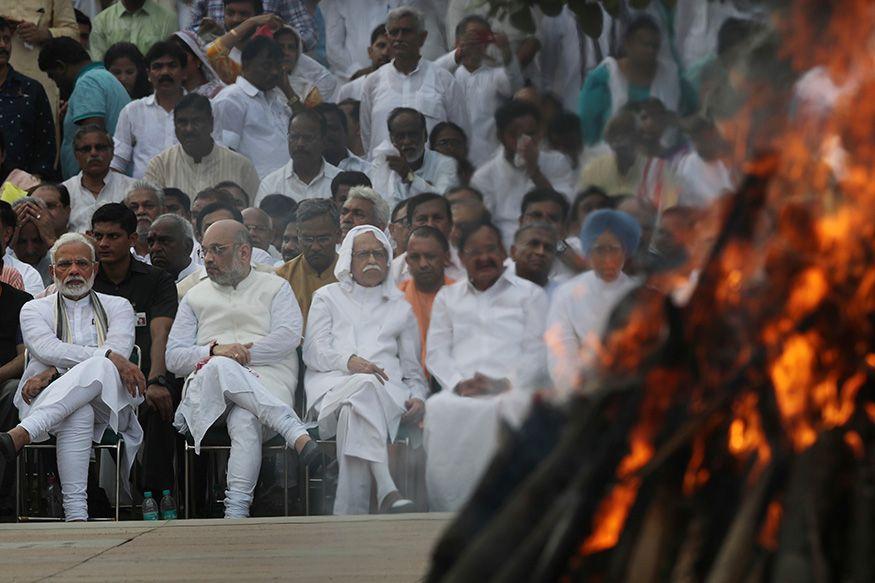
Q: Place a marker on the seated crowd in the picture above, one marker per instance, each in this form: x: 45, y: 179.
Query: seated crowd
x: 329, y: 222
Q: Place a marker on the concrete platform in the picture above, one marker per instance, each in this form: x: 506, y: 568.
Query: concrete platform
x: 371, y: 548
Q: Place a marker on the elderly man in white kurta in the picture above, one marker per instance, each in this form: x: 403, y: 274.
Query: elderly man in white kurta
x: 235, y: 336
x: 79, y: 380
x: 363, y: 369
x: 486, y: 350
x: 408, y: 81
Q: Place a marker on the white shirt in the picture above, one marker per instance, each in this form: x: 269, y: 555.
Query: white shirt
x: 349, y: 24
x: 365, y: 323
x: 438, y: 173
x: 285, y: 181
x: 576, y: 321
x: 351, y: 90
x: 40, y: 334
x: 428, y: 89
x: 191, y: 268
x: 254, y: 123
x: 503, y: 186
x: 83, y: 203
x: 144, y: 129
x: 497, y: 332
x: 700, y: 182
x: 183, y: 353
x: 353, y: 163
x: 484, y: 90
x: 560, y: 56
x: 455, y: 270
x: 33, y: 281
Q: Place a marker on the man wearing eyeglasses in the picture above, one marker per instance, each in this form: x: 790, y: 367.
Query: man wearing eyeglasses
x: 79, y: 380
x: 95, y: 185
x: 318, y: 237
x: 235, y: 337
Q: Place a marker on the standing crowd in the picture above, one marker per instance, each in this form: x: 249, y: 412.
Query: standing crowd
x: 339, y: 221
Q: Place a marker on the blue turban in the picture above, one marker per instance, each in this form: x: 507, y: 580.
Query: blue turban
x: 622, y: 225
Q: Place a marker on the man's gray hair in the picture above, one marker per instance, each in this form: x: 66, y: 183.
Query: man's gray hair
x: 67, y: 239
x: 30, y: 200
x: 381, y: 207
x: 179, y: 223
x: 243, y: 238
x: 410, y: 12
x: 146, y: 185
x: 313, y: 208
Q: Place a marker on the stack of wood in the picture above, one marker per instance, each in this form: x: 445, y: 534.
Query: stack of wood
x: 731, y: 484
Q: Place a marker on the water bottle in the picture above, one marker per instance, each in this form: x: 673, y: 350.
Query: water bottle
x: 150, y: 507
x: 168, y: 506
x: 53, y: 496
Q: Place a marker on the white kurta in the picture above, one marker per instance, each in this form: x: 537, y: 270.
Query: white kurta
x: 144, y: 130
x: 485, y: 89
x: 254, y: 123
x: 503, y: 186
x: 285, y: 181
x: 83, y: 203
x: 115, y: 408
x: 699, y: 181
x: 362, y: 322
x: 33, y: 281
x: 575, y: 324
x: 498, y: 333
x: 428, y: 89
x: 438, y: 173
x: 260, y: 310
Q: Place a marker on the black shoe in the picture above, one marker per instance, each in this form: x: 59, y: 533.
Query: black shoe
x: 311, y: 456
x: 7, y: 447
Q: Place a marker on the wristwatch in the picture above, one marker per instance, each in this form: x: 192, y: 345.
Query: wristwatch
x: 160, y: 380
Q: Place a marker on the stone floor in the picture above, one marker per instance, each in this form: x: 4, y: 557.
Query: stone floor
x: 372, y: 548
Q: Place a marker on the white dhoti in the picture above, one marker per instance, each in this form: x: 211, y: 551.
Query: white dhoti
x: 77, y: 408
x: 364, y: 414
x: 223, y: 388
x: 460, y: 437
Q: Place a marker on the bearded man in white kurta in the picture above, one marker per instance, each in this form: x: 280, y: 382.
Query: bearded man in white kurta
x: 486, y: 350
x: 79, y: 380
x: 235, y: 336
x: 363, y: 370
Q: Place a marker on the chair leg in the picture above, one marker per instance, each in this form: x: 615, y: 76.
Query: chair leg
x: 286, y: 480
x: 187, y: 483
x: 306, y: 491
x: 118, y: 477
x: 19, y: 474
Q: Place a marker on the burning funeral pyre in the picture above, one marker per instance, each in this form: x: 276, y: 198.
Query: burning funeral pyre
x: 731, y: 438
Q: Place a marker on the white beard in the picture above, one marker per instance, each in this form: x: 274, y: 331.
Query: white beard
x: 75, y: 291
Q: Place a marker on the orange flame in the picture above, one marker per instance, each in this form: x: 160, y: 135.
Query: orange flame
x: 768, y: 536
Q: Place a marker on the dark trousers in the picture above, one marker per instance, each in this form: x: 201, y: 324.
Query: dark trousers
x: 8, y: 420
x: 162, y: 446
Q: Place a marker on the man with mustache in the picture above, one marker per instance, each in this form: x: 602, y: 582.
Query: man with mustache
x: 486, y: 350
x: 363, y: 206
x: 252, y: 115
x: 405, y: 167
x: 307, y: 174
x: 147, y: 203
x: 533, y: 253
x: 408, y: 81
x: 79, y: 379
x: 318, y: 232
x: 28, y: 123
x: 95, y: 185
x: 363, y: 373
x: 234, y: 338
x: 152, y: 293
x: 197, y: 162
x: 145, y: 126
x: 429, y: 210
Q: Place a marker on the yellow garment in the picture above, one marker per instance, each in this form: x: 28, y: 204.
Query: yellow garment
x: 421, y: 303
x: 305, y: 281
x: 648, y: 179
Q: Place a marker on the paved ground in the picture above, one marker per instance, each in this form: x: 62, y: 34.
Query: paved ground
x: 374, y: 548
